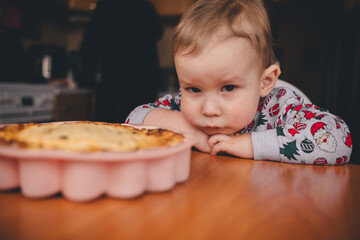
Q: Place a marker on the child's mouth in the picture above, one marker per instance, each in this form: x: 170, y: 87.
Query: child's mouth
x: 211, y: 130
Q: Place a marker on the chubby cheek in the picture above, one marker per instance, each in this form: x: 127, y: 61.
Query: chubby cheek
x: 190, y: 111
x: 241, y: 115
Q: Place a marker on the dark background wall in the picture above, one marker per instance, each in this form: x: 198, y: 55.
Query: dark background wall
x: 318, y: 45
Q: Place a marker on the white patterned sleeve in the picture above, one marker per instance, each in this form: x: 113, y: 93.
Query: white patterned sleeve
x: 166, y: 102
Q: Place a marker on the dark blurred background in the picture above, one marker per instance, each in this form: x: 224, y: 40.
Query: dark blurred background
x: 317, y: 43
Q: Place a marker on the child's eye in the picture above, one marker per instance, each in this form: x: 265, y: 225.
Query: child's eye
x: 193, y: 89
x: 228, y: 88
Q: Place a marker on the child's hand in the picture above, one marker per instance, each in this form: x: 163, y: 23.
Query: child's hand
x: 175, y: 121
x: 200, y: 140
x: 239, y: 145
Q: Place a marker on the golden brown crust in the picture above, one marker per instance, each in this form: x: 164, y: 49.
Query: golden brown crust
x: 86, y: 136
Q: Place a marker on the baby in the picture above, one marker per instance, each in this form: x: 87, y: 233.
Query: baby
x: 228, y: 102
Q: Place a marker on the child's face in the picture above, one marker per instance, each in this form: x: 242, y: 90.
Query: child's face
x: 221, y: 86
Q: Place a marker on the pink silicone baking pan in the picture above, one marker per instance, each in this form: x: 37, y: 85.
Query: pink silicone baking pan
x: 88, y: 176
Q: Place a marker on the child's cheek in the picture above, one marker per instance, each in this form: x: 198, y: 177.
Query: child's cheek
x: 189, y: 110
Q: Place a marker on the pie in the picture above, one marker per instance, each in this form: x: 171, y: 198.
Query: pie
x: 86, y: 136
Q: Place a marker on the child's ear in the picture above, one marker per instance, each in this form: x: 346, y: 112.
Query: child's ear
x: 268, y: 79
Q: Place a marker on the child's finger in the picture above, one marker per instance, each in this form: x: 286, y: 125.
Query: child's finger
x: 202, y: 147
x: 219, y: 147
x: 215, y: 139
x: 201, y: 143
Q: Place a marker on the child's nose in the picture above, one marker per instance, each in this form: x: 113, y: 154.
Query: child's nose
x: 211, y: 108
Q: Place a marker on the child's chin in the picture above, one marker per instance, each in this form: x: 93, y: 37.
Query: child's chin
x: 212, y: 132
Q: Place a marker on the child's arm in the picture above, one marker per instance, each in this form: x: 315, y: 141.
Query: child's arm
x: 164, y: 113
x: 138, y: 115
x: 287, y: 130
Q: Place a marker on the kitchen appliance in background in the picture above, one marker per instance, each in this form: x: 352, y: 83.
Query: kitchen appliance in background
x: 20, y: 103
x: 46, y: 62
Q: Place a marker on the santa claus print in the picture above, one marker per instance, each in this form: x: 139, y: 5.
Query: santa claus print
x: 308, y: 115
x: 324, y: 139
x: 297, y: 123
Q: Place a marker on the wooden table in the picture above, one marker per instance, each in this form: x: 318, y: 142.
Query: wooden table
x: 224, y: 198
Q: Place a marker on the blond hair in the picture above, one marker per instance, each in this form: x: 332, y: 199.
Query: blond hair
x: 244, y: 18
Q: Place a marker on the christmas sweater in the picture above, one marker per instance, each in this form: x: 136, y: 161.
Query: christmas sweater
x: 284, y: 129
